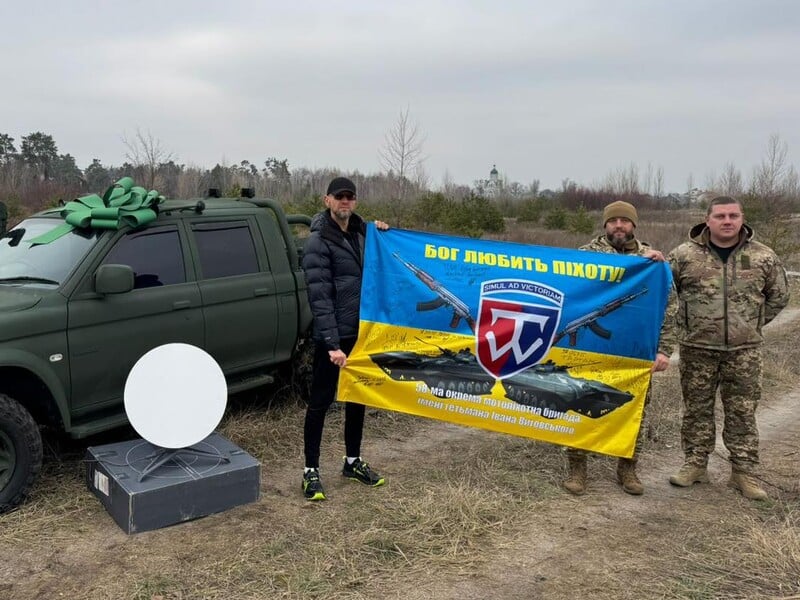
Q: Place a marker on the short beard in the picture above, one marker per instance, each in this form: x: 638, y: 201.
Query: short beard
x: 619, y: 243
x: 343, y: 214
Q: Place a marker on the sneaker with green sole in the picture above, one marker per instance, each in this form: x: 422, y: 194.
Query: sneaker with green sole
x: 361, y: 471
x: 312, y: 486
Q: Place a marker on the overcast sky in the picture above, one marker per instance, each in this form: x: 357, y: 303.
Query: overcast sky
x: 544, y: 90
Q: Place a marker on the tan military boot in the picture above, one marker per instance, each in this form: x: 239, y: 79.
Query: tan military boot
x: 689, y: 474
x: 626, y: 476
x: 575, y: 483
x: 748, y: 485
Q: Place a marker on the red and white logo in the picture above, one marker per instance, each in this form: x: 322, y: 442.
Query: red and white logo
x: 517, y: 320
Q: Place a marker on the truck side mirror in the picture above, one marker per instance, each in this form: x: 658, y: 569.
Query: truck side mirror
x: 113, y: 279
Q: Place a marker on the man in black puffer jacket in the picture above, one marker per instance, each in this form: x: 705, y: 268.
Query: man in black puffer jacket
x: 333, y: 260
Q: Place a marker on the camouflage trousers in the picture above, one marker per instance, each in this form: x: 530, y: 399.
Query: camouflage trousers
x: 737, y: 375
x: 637, y: 450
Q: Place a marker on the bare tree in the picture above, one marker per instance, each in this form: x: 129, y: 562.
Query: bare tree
x: 190, y: 182
x: 624, y: 181
x: 421, y: 178
x: 630, y: 180
x: 710, y: 182
x: 730, y: 182
x: 768, y: 177
x: 146, y: 154
x: 647, y: 185
x: 791, y: 183
x: 771, y: 196
x: 451, y: 189
x: 401, y: 153
x: 448, y: 183
x: 658, y: 182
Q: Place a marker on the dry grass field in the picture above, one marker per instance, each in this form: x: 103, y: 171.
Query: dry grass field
x: 662, y: 229
x: 465, y: 514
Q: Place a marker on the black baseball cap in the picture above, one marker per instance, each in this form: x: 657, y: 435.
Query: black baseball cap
x: 339, y: 185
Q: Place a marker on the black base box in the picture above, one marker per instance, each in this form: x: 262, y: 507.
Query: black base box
x: 186, y: 486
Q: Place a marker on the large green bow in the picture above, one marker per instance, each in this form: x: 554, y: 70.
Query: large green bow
x: 123, y: 204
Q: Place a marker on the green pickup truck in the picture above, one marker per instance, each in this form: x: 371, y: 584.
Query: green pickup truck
x: 77, y: 312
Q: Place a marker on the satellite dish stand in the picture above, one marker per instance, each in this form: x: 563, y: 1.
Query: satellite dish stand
x: 175, y: 396
x: 162, y: 456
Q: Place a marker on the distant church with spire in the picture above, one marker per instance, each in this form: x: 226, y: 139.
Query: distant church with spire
x: 492, y: 187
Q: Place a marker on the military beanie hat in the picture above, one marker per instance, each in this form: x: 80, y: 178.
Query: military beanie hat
x: 620, y: 209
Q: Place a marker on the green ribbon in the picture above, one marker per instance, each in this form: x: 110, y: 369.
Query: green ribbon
x: 123, y: 204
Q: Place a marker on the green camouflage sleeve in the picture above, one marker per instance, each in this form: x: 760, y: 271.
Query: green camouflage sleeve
x: 668, y: 338
x: 776, y: 291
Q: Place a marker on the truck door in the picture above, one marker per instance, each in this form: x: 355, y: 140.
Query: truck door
x: 238, y: 293
x: 108, y: 334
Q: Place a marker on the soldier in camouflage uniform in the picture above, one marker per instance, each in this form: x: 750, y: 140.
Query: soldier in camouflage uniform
x: 729, y: 286
x: 619, y: 222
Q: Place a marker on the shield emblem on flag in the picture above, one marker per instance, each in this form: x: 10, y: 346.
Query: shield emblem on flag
x: 517, y: 321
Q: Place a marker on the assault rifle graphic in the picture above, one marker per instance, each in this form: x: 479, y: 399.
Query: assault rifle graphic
x: 444, y: 297
x: 590, y: 320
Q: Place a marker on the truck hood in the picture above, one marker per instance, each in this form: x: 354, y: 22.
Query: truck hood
x: 13, y: 300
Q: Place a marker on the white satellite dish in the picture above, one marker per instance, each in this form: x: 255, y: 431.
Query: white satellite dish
x: 175, y: 396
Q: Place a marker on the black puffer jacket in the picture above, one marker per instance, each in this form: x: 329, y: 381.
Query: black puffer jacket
x: 333, y: 271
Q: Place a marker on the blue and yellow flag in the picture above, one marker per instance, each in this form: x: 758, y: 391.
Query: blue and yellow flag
x: 547, y: 343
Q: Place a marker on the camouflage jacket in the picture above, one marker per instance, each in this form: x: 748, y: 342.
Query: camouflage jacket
x: 723, y: 306
x: 601, y: 244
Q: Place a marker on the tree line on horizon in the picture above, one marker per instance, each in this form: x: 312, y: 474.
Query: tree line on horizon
x: 36, y: 176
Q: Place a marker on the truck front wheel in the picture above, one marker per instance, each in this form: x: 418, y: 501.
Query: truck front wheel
x: 20, y: 452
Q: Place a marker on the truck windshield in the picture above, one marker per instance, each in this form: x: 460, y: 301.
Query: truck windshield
x: 44, y: 264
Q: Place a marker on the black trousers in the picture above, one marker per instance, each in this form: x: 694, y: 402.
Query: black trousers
x: 324, y: 381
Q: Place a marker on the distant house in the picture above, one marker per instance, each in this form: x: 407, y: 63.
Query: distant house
x: 693, y: 197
